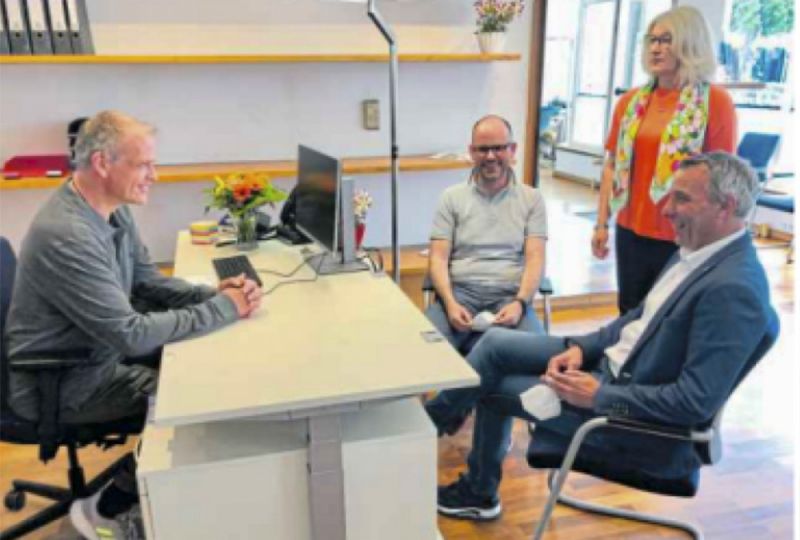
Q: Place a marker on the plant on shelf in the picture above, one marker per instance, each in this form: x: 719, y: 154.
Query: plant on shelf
x: 493, y: 17
x: 241, y: 194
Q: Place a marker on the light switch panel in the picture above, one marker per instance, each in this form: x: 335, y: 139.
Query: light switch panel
x: 371, y: 114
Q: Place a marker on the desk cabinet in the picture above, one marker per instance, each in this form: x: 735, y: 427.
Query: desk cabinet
x: 248, y: 479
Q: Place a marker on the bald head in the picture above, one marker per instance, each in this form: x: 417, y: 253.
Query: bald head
x: 493, y: 122
x: 492, y: 152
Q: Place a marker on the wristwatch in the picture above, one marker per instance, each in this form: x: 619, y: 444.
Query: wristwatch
x: 523, y: 304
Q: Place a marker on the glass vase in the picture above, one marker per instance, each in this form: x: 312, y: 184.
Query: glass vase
x: 246, y: 239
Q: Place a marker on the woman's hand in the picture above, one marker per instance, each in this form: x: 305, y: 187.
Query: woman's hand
x: 600, y: 242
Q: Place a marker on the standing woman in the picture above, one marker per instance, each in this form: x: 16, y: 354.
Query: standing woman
x: 676, y: 114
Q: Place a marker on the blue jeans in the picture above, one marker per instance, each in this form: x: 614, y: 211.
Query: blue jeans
x: 464, y: 341
x: 508, y: 362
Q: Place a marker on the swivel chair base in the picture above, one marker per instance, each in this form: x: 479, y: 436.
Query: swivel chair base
x: 64, y: 497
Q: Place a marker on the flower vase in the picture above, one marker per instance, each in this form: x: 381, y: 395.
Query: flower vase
x: 246, y: 239
x: 491, y: 42
x: 361, y: 228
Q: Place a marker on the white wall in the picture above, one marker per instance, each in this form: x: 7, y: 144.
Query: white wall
x: 262, y: 111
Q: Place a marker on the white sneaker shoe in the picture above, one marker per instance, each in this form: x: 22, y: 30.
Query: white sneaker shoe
x: 92, y: 526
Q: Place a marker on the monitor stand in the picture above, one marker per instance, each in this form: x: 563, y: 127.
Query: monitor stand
x: 291, y: 236
x: 331, y: 264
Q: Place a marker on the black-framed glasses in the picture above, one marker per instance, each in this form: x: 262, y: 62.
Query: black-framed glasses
x: 496, y: 148
x: 663, y: 39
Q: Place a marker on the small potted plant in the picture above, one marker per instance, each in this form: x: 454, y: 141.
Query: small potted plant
x: 241, y: 194
x: 362, y: 201
x: 493, y: 17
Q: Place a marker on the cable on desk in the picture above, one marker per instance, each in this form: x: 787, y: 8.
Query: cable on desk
x: 375, y: 267
x: 290, y: 274
x: 305, y: 280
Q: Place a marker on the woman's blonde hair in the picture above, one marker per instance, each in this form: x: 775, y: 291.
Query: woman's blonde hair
x: 691, y: 44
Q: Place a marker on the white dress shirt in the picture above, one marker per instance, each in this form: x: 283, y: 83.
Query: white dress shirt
x: 663, y: 288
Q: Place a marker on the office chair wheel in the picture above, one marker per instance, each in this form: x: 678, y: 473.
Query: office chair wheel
x: 14, y: 500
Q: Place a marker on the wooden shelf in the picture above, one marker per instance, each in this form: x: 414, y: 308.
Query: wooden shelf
x: 201, y: 172
x: 253, y: 58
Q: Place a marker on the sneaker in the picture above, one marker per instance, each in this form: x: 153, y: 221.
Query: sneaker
x: 458, y: 501
x: 92, y: 526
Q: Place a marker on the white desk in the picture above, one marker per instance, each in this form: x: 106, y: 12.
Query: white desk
x: 317, y: 350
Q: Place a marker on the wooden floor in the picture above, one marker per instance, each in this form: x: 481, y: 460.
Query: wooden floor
x: 749, y: 495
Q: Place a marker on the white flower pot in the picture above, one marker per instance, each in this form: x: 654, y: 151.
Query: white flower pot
x: 491, y: 42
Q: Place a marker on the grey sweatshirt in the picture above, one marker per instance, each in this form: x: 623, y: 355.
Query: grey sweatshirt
x: 77, y: 281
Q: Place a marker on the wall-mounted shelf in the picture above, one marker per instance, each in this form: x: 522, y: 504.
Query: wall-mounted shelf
x: 202, y: 172
x: 253, y: 58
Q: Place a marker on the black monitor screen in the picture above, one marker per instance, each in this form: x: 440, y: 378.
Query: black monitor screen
x: 317, y: 196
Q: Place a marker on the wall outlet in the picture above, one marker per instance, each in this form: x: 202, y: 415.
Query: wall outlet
x: 371, y: 114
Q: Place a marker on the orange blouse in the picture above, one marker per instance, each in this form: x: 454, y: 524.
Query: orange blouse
x: 641, y: 214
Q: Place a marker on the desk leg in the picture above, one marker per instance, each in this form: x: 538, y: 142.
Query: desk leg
x: 326, y: 478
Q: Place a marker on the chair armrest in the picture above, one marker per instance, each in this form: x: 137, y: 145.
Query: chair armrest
x: 661, y: 430
x: 545, y: 286
x: 427, y: 283
x: 48, y: 366
x: 48, y: 360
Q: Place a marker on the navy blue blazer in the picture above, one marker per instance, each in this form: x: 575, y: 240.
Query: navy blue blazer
x: 695, y: 351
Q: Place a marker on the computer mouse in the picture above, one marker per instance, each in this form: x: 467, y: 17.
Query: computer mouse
x: 482, y: 321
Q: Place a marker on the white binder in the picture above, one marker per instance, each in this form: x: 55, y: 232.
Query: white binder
x: 17, y: 27
x: 59, y: 28
x: 39, y: 32
x: 78, y: 22
x: 5, y: 48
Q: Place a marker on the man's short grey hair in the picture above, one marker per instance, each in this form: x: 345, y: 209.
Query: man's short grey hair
x: 103, y: 133
x: 728, y: 175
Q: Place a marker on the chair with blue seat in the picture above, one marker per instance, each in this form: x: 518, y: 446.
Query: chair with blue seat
x: 550, y: 450
x: 759, y: 150
x: 48, y: 433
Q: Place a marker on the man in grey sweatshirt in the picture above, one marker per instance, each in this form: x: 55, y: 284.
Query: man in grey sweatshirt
x: 82, y: 281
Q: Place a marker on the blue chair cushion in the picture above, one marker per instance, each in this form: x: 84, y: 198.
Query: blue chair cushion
x: 547, y: 452
x: 782, y: 203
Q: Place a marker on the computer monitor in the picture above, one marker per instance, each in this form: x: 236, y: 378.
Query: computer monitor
x: 317, y: 197
x: 324, y: 210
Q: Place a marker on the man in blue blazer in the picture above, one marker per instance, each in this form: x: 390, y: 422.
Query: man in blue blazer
x: 674, y: 360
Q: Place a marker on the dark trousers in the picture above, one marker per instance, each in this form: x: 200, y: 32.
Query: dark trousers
x: 639, y: 263
x: 125, y: 397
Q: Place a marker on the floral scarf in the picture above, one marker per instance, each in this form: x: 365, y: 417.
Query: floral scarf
x: 683, y: 136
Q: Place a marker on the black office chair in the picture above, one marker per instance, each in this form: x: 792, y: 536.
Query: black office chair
x: 48, y: 433
x: 548, y: 450
x: 545, y: 290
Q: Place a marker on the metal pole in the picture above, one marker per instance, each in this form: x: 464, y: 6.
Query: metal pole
x: 394, y: 151
x: 612, y: 67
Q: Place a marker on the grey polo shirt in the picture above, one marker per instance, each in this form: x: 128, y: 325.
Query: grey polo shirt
x: 77, y: 279
x: 487, y: 234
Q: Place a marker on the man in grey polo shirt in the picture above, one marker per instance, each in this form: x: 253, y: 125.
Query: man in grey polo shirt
x: 488, y: 242
x: 85, y: 281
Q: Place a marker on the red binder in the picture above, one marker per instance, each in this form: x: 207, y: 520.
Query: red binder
x: 54, y: 165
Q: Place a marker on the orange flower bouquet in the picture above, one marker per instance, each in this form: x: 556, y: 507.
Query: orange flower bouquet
x: 241, y: 194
